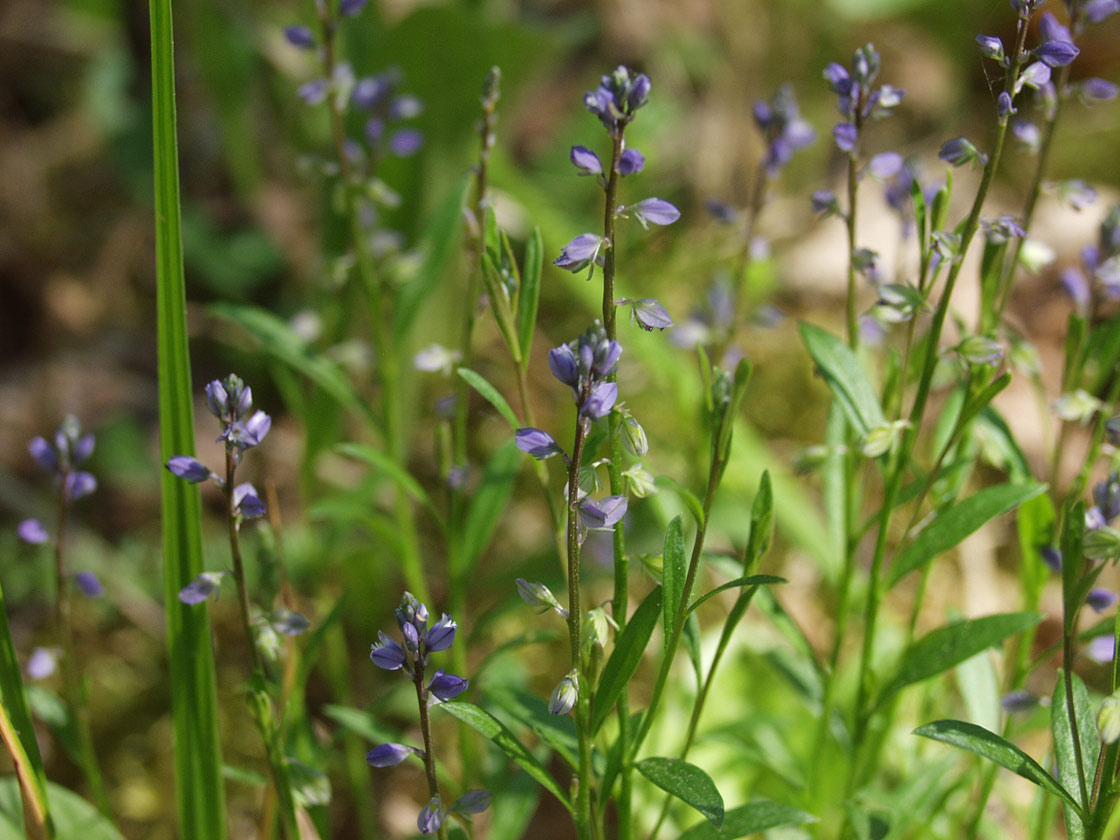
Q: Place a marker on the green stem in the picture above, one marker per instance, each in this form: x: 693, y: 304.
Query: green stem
x: 265, y: 716
x: 906, y: 446
x: 575, y: 614
x: 74, y: 684
x: 429, y: 756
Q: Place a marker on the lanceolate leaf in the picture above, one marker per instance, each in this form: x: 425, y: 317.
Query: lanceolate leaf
x: 845, y: 378
x: 989, y: 745
x: 625, y: 657
x: 953, y: 524
x: 673, y: 573
x: 491, y: 395
x: 952, y: 644
x: 530, y: 293
x: 752, y: 580
x: 687, y: 782
x: 495, y: 730
x: 747, y: 820
x: 1064, y: 753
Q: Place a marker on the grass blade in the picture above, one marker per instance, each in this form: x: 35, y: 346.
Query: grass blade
x: 198, y: 764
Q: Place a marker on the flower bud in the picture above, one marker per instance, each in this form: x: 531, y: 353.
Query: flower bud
x: 565, y: 694
x: 633, y: 435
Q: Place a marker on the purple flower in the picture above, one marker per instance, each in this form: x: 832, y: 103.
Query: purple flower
x: 201, y: 588
x: 314, y: 92
x: 650, y: 314
x: 370, y: 92
x: 349, y: 8
x: 600, y: 401
x: 472, y: 802
x: 1107, y: 496
x: 564, y: 365
x: 1076, y: 286
x: 441, y: 634
x: 1096, y: 90
x: 387, y: 654
x: 885, y: 165
x: 1101, y: 649
x: 960, y: 151
x: 431, y: 817
x: 721, y: 212
x: 655, y: 211
x: 188, y: 469
x: 537, y: 443
x: 586, y: 161
x: 89, y: 584
x: 447, y: 686
x: 1094, y: 11
x: 43, y: 663
x: 604, y: 514
x: 1052, y: 557
x: 564, y: 696
x: 32, y: 531
x: 299, y: 36
x: 245, y: 434
x: 579, y: 253
x: 406, y: 142
x: 44, y: 454
x: 1001, y: 229
x: 785, y: 131
x: 1018, y: 702
x: 1049, y: 29
x: 1100, y: 599
x: 618, y: 98
x: 1057, y: 53
x: 389, y: 755
x: 991, y: 47
x: 247, y: 502
x: 79, y: 485
x: 1028, y: 135
x: 289, y: 622
x: 846, y: 136
x: 1004, y: 106
x: 405, y: 107
x: 1034, y: 76
x: 631, y: 162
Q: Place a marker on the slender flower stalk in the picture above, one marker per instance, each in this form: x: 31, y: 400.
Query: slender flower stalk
x: 70, y: 449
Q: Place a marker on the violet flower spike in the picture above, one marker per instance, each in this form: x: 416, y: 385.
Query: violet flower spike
x: 600, y: 402
x: 299, y: 36
x: 631, y: 162
x: 440, y: 635
x: 387, y: 654
x: 604, y: 514
x: 650, y: 315
x: 201, y: 588
x: 89, y: 584
x: 431, y: 816
x: 580, y: 253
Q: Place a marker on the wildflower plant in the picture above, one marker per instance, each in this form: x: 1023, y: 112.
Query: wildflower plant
x: 412, y: 658
x: 62, y: 459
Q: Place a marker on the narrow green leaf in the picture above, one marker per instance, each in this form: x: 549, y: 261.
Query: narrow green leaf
x: 673, y: 573
x: 845, y: 378
x: 197, y: 748
x: 762, y: 522
x: 439, y: 242
x: 19, y: 735
x: 952, y: 644
x: 492, y: 728
x: 385, y: 464
x: 558, y: 731
x: 687, y: 782
x: 686, y: 496
x: 1064, y: 754
x: 74, y: 818
x: 487, y: 506
x: 989, y: 745
x: 1036, y: 531
x: 999, y: 445
x: 625, y: 657
x: 750, y: 580
x: 953, y: 524
x: 690, y: 636
x: 500, y: 304
x: 752, y: 818
x: 1073, y: 561
x: 489, y: 393
x: 530, y: 292
x: 279, y: 341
